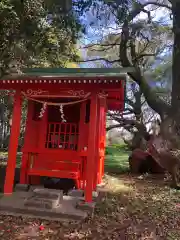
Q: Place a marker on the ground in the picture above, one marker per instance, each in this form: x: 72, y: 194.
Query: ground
x: 117, y: 159
x: 131, y: 208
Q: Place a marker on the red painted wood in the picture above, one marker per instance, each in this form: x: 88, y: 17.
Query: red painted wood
x: 62, y: 136
x: 13, y: 144
x: 71, y: 112
x: 36, y: 136
x: 24, y: 169
x: 97, y: 158
x: 101, y: 146
x: 56, y: 165
x: 55, y: 174
x: 74, y: 79
x: 57, y: 88
x: 102, y: 139
x: 34, y: 180
x: 53, y: 87
x: 41, y: 137
x: 43, y: 129
x: 51, y: 165
x: 91, y: 149
x: 82, y: 126
x: 104, y: 135
x: 83, y: 143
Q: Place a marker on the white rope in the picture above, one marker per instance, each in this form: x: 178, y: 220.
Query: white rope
x: 58, y: 104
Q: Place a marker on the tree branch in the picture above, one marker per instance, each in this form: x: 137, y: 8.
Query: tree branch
x: 152, y: 99
x: 158, y: 4
x: 114, y: 126
x: 101, y: 45
x: 100, y: 59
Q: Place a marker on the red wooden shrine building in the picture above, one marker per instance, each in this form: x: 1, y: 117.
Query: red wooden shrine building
x: 65, y: 127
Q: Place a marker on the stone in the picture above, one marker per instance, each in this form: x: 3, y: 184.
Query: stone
x: 32, y: 187
x: 76, y: 193
x: 15, y: 205
x: 41, y: 203
x: 44, y: 198
x: 89, y: 207
x: 95, y: 194
x: 21, y: 187
x: 48, y: 193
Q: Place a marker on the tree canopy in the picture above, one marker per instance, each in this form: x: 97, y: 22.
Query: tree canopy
x: 37, y: 33
x: 136, y: 41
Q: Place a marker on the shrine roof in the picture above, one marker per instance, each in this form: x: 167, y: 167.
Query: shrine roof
x: 70, y: 73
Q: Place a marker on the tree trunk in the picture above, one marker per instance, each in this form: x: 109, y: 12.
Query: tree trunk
x: 176, y: 60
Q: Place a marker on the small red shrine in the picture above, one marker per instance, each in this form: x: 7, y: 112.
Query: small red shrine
x: 66, y: 124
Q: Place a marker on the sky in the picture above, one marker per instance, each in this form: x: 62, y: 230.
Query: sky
x: 97, y: 32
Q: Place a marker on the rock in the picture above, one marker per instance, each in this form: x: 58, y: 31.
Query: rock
x: 21, y: 187
x: 48, y: 193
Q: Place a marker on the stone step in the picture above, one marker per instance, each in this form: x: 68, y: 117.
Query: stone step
x: 80, y: 193
x: 52, y: 194
x: 41, y: 203
x: 21, y: 187
x: 76, y: 193
x: 44, y: 198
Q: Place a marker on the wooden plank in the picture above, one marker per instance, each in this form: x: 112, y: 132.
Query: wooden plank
x: 56, y: 174
x: 56, y: 165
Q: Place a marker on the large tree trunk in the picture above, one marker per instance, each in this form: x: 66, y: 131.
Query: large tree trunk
x: 176, y: 60
x: 170, y: 127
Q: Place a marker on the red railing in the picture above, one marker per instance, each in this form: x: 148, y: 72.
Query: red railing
x: 62, y: 136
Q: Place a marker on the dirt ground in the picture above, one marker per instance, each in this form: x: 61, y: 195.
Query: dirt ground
x: 132, y: 208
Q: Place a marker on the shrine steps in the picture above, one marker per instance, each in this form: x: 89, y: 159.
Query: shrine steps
x: 38, y: 202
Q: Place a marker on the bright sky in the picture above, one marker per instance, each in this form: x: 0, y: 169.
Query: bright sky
x: 95, y: 33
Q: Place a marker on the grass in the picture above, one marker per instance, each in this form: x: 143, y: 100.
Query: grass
x: 116, y: 160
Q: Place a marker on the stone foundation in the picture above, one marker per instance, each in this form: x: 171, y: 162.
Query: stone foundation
x: 47, y: 204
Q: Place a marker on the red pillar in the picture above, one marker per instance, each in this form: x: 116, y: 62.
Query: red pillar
x: 102, y: 137
x: 104, y: 134
x: 81, y: 143
x: 91, y: 154
x: 97, y: 160
x: 13, y: 144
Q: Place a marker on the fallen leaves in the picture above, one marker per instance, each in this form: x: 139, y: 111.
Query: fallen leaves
x: 130, y: 209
